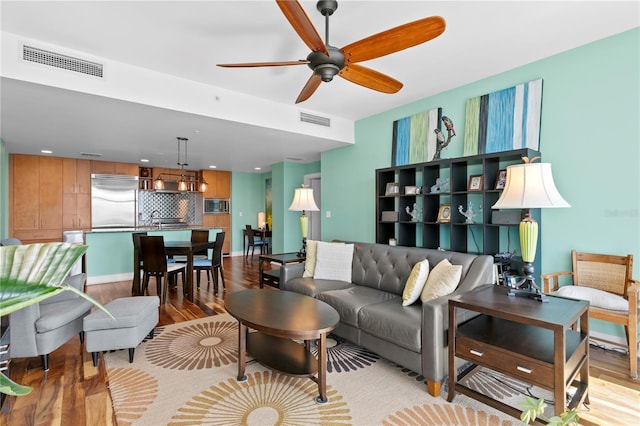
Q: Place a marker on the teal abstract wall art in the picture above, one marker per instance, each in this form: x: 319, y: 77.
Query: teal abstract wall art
x: 504, y: 120
x: 414, y: 138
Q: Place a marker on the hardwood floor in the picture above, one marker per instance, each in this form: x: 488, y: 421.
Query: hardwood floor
x: 74, y: 392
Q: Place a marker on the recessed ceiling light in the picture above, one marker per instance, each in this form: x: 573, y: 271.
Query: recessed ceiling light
x: 257, y: 168
x: 213, y: 167
x: 144, y: 160
x: 46, y: 151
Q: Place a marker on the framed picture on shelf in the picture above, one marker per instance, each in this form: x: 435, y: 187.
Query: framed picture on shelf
x: 392, y: 189
x: 412, y: 190
x: 475, y: 183
x: 444, y: 213
x: 389, y: 216
x: 501, y: 179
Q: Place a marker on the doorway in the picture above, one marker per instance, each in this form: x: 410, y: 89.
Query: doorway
x: 314, y: 182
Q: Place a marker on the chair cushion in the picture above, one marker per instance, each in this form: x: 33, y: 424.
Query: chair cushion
x: 415, y: 283
x: 172, y: 267
x: 202, y: 263
x: 333, y: 261
x: 597, y: 298
x: 57, y: 314
x: 442, y: 280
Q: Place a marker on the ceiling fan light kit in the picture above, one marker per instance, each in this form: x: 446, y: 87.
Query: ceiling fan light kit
x: 326, y: 61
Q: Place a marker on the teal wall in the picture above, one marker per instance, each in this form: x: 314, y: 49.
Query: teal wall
x: 248, y: 196
x: 589, y: 133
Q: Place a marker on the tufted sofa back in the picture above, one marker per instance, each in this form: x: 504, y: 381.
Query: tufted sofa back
x: 387, y: 268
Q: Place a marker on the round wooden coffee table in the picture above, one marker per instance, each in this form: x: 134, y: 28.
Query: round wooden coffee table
x: 278, y: 317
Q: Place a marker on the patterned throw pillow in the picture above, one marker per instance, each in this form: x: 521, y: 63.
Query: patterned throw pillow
x: 415, y: 283
x: 443, y: 279
x: 310, y: 259
x: 333, y: 261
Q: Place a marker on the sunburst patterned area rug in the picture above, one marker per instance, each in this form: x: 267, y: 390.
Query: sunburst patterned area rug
x: 186, y: 375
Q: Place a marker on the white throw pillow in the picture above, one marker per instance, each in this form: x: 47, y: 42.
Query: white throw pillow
x: 415, y: 283
x: 310, y: 259
x: 443, y: 279
x: 333, y: 261
x: 597, y: 298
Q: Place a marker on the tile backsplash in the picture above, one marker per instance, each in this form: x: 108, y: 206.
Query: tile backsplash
x: 186, y: 206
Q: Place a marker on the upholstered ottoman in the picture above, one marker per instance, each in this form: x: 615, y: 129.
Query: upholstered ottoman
x: 135, y: 318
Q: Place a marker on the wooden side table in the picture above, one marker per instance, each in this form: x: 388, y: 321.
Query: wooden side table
x: 272, y: 276
x: 524, y: 339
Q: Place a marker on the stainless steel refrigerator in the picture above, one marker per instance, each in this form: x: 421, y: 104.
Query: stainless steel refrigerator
x: 114, y: 200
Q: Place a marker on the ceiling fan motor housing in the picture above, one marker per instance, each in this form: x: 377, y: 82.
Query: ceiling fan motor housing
x: 326, y: 66
x: 327, y: 7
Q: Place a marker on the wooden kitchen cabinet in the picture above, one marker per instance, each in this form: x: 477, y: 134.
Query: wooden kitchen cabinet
x: 218, y: 183
x: 222, y: 221
x: 36, y: 199
x: 76, y: 176
x: 76, y: 198
x: 113, y: 168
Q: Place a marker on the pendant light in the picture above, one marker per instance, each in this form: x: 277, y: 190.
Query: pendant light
x: 182, y: 184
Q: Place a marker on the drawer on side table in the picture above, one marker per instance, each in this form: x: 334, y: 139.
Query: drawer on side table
x: 512, y: 364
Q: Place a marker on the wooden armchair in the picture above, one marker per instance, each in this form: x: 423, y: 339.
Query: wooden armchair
x: 604, y: 280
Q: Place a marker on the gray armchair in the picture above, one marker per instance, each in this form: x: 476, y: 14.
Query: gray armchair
x: 41, y: 328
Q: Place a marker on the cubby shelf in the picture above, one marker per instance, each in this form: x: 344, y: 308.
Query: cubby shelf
x: 480, y: 237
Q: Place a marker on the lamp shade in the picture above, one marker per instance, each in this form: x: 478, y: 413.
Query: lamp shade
x: 303, y: 200
x: 530, y: 186
x: 262, y: 220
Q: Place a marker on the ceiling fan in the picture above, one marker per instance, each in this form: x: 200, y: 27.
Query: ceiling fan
x: 326, y: 61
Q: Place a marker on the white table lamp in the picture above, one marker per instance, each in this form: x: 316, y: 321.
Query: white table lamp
x: 303, y: 201
x: 529, y: 186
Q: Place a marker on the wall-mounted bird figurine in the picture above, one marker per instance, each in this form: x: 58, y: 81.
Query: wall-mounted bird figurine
x: 440, y: 142
x: 449, y: 125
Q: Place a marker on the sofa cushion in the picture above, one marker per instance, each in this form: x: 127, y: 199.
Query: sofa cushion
x: 311, y: 287
x: 333, y: 261
x: 415, y: 283
x: 310, y: 259
x: 394, y: 323
x: 443, y: 279
x: 348, y: 302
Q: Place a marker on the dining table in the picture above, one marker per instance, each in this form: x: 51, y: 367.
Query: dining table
x: 175, y: 248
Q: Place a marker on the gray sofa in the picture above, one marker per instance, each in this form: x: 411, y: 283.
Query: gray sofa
x: 371, y: 311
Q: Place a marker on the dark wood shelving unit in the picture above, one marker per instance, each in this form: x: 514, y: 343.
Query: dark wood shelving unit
x: 481, y: 237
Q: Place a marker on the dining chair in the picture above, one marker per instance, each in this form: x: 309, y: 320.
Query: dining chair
x: 605, y: 281
x: 252, y: 241
x: 10, y: 242
x: 155, y: 264
x: 213, y: 264
x: 197, y: 236
x: 136, y: 250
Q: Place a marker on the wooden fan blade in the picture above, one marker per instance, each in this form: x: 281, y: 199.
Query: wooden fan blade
x: 300, y: 22
x: 309, y: 88
x: 265, y: 64
x: 369, y: 78
x: 394, y: 40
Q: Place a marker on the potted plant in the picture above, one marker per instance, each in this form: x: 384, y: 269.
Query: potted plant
x: 533, y: 408
x: 32, y: 273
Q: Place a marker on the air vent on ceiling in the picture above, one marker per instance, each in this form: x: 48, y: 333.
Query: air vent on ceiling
x: 91, y: 154
x: 294, y: 159
x: 315, y: 119
x: 58, y: 60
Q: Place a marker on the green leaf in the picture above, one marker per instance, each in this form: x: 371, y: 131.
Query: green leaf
x: 9, y: 387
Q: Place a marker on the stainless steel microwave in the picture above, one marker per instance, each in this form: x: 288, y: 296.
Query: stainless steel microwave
x: 216, y: 205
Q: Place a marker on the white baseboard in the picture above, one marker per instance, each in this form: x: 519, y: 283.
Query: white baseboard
x: 103, y: 279
x: 610, y: 342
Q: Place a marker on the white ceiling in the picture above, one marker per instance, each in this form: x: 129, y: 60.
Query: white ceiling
x: 186, y: 40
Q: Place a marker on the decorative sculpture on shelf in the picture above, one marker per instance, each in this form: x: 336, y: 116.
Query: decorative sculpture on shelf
x: 442, y: 185
x: 415, y: 213
x: 471, y: 213
x: 441, y: 143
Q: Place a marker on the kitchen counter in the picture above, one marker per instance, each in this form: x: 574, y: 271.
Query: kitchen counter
x: 109, y: 256
x: 148, y: 228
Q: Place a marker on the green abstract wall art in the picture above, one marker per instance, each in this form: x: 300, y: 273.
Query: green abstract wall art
x: 414, y: 137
